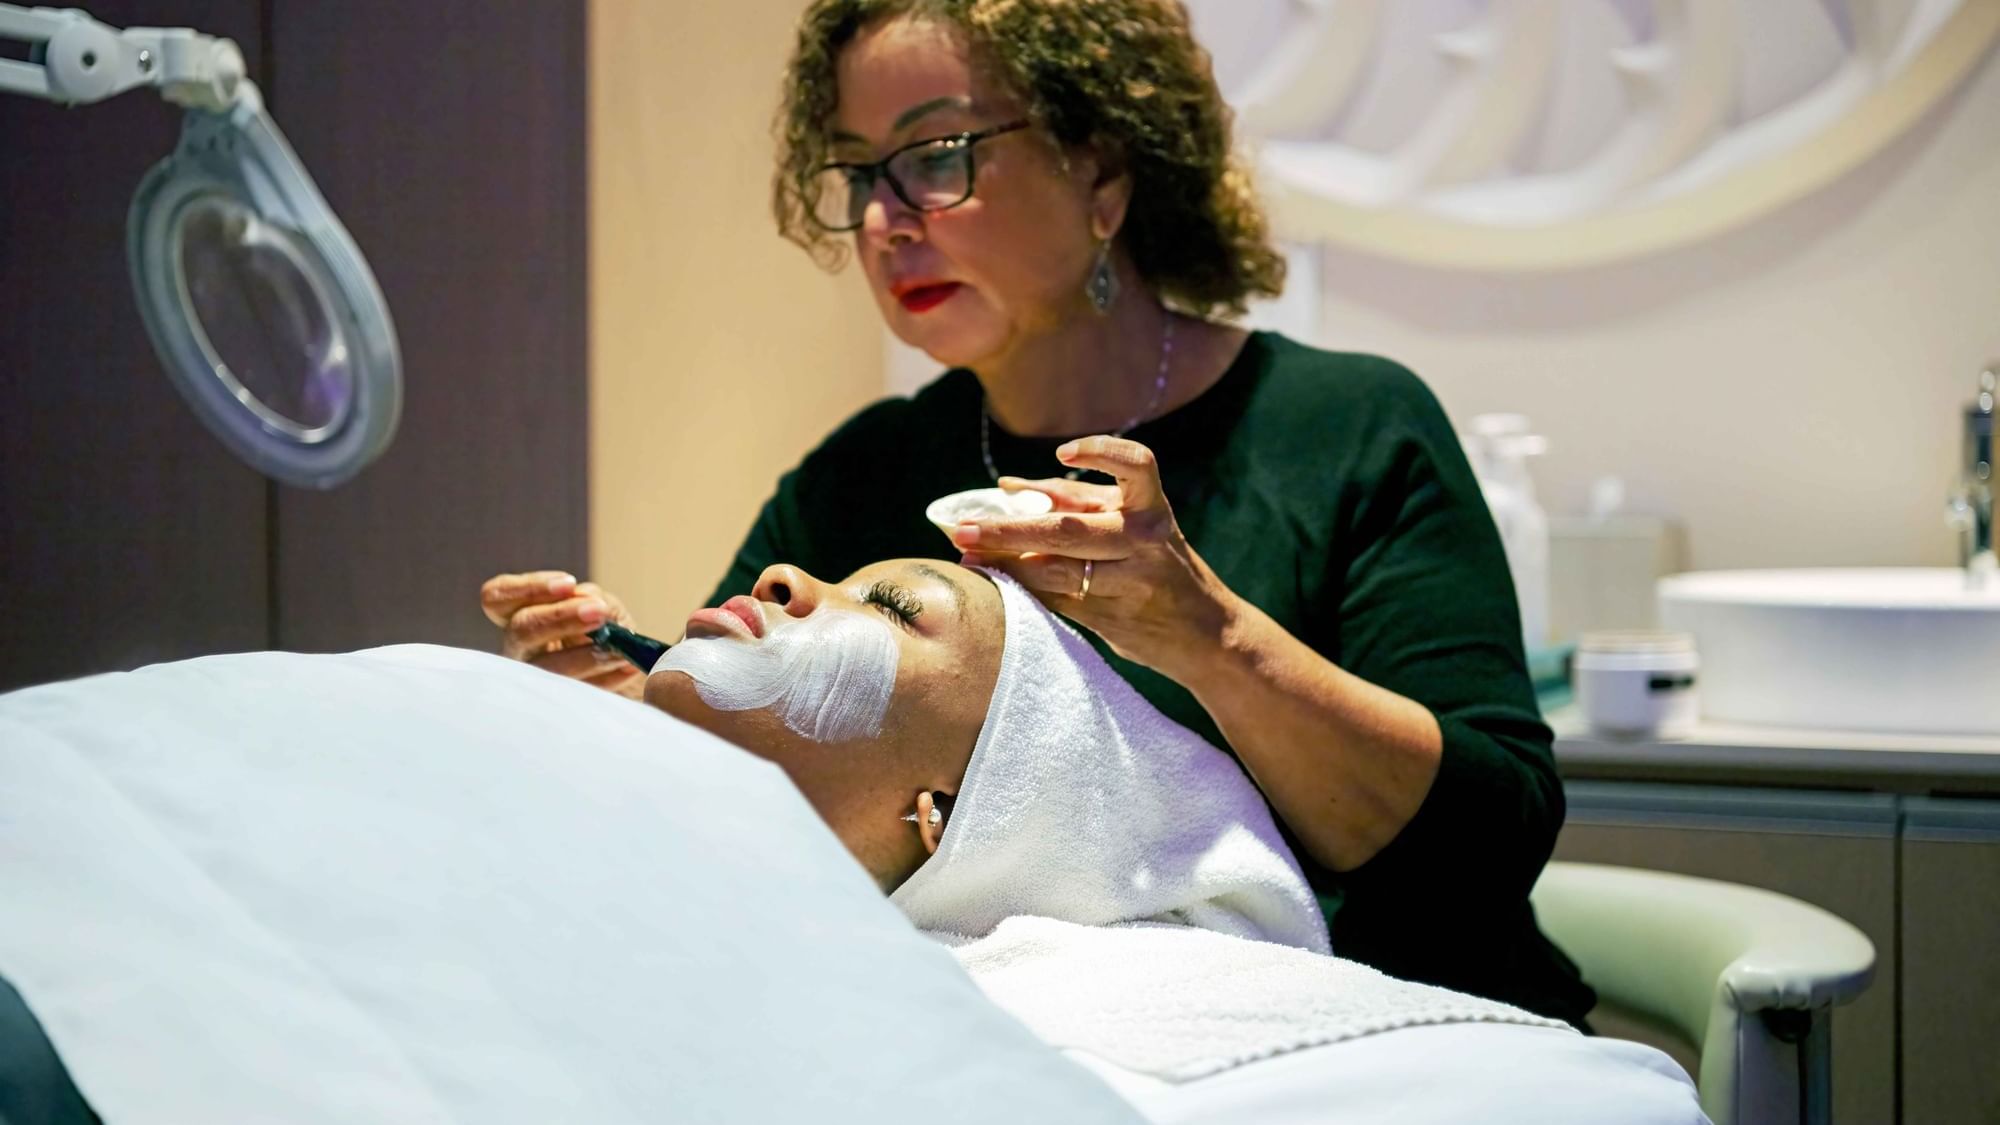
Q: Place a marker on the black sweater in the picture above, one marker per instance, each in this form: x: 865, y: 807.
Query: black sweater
x: 1330, y: 491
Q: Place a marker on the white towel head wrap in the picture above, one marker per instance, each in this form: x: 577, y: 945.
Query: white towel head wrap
x: 1104, y: 866
x: 1084, y: 804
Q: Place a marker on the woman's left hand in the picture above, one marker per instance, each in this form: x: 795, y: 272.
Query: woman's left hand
x: 1150, y: 596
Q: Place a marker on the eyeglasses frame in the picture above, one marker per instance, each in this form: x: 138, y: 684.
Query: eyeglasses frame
x: 878, y: 171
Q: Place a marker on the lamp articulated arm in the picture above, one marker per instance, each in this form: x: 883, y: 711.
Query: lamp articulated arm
x: 75, y: 60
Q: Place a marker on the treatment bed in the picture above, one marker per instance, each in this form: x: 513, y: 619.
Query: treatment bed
x: 420, y: 884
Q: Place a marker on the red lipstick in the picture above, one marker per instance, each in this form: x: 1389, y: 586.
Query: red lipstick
x: 923, y: 297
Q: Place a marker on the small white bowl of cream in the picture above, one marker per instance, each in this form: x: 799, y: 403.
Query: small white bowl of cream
x: 947, y: 512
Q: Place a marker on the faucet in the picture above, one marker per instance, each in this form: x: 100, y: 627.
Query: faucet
x: 1970, y: 512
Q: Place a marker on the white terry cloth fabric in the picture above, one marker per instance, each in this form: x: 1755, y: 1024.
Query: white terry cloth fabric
x: 1083, y: 803
x: 1118, y: 884
x: 1495, y: 1074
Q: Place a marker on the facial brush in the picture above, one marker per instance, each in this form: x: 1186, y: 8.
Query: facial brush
x: 638, y: 648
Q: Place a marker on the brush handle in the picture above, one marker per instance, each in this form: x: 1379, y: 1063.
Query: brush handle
x: 638, y: 648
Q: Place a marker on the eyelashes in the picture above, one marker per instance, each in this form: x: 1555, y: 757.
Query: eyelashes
x: 897, y: 600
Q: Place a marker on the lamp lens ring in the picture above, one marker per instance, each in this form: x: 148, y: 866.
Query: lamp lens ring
x: 262, y: 317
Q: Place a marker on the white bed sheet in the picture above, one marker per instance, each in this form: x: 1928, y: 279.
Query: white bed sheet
x: 1450, y: 1074
x: 421, y: 885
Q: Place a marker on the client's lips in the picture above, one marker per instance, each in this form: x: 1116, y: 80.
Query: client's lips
x: 925, y: 296
x: 747, y: 608
x: 740, y: 614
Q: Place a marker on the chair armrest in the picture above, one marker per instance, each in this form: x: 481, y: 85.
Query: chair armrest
x: 1701, y: 954
x: 1669, y: 945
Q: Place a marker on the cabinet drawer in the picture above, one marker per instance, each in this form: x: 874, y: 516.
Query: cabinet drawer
x: 1951, y: 961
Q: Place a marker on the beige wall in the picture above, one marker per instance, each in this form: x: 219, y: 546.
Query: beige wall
x: 720, y: 353
x: 1790, y: 391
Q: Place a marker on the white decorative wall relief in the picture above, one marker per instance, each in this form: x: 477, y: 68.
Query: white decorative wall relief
x: 1544, y: 134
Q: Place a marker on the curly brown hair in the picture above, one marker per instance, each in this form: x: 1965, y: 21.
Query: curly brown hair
x: 1124, y: 76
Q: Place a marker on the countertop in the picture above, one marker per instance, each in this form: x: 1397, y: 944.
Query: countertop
x: 1737, y: 754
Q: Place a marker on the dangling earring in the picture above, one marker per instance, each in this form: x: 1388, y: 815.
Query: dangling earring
x: 1102, y: 286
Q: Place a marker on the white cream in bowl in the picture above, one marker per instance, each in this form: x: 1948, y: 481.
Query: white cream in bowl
x: 947, y: 512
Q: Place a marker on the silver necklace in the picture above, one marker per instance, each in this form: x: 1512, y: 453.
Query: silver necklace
x: 1145, y: 412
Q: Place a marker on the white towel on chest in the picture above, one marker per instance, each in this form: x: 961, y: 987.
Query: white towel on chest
x: 1118, y: 884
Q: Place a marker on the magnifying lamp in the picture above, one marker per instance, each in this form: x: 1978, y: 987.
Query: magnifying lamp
x: 256, y: 298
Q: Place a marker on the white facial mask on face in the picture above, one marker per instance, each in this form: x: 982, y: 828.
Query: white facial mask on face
x: 829, y: 677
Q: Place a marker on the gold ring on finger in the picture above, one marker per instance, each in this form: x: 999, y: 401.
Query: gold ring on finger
x: 1084, y: 590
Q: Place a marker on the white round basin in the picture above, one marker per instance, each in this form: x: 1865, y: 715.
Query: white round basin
x: 1907, y: 651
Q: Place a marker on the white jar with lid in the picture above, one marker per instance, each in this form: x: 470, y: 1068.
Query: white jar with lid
x: 1637, y: 684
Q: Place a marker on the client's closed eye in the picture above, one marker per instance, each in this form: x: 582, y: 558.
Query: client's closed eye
x: 897, y: 600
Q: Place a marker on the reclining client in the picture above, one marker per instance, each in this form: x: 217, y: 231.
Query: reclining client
x: 1106, y: 875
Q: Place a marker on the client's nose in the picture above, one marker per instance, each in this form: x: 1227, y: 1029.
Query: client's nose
x: 798, y: 592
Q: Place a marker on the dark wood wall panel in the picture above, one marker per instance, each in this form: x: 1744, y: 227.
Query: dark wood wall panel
x: 449, y: 136
x: 127, y: 534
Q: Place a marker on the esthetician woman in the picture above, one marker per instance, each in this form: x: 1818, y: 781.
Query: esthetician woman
x: 1280, y: 547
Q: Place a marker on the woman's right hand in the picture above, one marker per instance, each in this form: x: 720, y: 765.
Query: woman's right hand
x: 543, y: 616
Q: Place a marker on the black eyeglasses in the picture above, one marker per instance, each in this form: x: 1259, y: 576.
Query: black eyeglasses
x: 932, y: 175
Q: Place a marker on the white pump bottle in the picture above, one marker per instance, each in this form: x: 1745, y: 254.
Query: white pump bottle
x: 1499, y: 446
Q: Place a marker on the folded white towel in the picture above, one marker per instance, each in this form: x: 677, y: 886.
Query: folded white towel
x: 1118, y: 885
